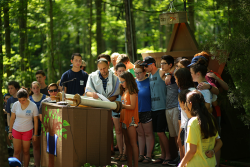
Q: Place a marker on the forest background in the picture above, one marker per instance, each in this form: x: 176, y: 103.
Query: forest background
x: 43, y: 34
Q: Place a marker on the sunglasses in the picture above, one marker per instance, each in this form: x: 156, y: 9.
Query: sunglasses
x: 138, y: 73
x: 53, y: 90
x: 148, y: 64
x: 121, y: 82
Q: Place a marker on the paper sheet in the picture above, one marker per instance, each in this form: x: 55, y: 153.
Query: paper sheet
x: 102, y: 97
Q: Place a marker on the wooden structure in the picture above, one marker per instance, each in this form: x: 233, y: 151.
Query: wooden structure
x: 183, y: 44
x: 73, y: 136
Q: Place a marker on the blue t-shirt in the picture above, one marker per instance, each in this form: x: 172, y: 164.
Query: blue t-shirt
x: 38, y: 103
x: 144, y: 95
x: 77, y: 86
x: 10, y: 103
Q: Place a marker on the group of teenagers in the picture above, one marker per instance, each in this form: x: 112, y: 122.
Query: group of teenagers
x: 180, y: 97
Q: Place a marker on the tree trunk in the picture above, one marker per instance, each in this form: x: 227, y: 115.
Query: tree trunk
x: 7, y: 35
x: 3, y: 145
x: 91, y: 65
x: 22, y: 19
x: 98, y: 4
x: 77, y: 49
x: 191, y: 14
x: 50, y: 60
x: 130, y: 31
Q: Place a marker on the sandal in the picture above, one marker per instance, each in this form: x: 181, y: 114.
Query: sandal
x: 147, y: 160
x: 123, y: 158
x: 165, y: 162
x: 158, y: 161
x: 141, y: 158
x: 118, y: 157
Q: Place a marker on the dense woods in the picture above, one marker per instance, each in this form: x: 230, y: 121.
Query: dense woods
x: 42, y: 34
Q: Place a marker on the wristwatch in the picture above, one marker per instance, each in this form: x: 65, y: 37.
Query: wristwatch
x: 168, y: 74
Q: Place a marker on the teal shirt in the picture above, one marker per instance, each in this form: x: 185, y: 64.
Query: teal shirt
x: 158, y: 92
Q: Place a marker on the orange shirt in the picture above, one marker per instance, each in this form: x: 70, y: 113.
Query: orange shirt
x: 126, y: 115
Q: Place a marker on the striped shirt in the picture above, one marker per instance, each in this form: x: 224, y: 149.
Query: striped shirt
x: 104, y: 81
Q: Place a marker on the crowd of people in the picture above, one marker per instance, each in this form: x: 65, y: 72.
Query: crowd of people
x: 180, y: 97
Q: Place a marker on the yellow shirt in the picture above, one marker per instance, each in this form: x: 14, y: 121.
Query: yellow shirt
x: 194, y: 137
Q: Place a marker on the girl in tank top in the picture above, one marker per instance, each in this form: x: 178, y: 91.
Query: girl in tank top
x: 129, y: 115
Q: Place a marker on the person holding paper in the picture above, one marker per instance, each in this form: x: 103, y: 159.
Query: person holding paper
x: 103, y: 81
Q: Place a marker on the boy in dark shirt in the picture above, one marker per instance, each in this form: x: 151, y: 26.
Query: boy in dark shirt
x: 78, y: 85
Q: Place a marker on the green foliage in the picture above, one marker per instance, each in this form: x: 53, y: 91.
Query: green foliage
x: 222, y: 25
x: 234, y: 41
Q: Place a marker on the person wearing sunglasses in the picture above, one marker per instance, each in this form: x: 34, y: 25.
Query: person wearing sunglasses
x: 158, y: 106
x: 52, y: 90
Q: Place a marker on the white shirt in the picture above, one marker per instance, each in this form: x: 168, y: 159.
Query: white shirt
x: 24, y: 118
x: 184, y: 116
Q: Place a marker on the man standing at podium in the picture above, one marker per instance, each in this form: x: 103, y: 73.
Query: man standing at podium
x: 79, y: 77
x: 103, y: 81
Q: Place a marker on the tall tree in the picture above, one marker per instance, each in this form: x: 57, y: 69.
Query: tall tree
x: 90, y: 6
x: 7, y: 34
x: 130, y: 31
x: 22, y: 19
x: 191, y: 14
x: 98, y: 4
x: 3, y: 144
x: 50, y: 60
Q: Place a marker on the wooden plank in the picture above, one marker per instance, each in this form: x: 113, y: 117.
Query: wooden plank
x: 79, y: 135
x: 93, y: 136
x: 105, y: 142
x: 68, y: 148
x: 172, y: 38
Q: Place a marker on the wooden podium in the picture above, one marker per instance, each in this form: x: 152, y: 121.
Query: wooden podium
x: 73, y: 136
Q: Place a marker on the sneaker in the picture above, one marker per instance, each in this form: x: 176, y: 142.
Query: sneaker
x: 175, y: 162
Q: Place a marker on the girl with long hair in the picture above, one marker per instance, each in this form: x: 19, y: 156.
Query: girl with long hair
x: 129, y: 115
x: 202, y: 132
x: 184, y: 81
x: 198, y: 72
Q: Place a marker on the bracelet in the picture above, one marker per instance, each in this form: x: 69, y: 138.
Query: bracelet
x: 210, y: 87
x: 9, y: 132
x: 168, y: 74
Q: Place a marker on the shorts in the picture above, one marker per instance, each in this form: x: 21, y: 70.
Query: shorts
x: 116, y: 116
x: 132, y: 123
x: 25, y: 136
x: 172, y: 116
x: 159, y: 121
x: 145, y: 117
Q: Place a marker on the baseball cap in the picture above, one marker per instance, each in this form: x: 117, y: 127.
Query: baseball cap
x: 7, y: 94
x: 195, y: 59
x: 147, y: 60
x: 14, y: 162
